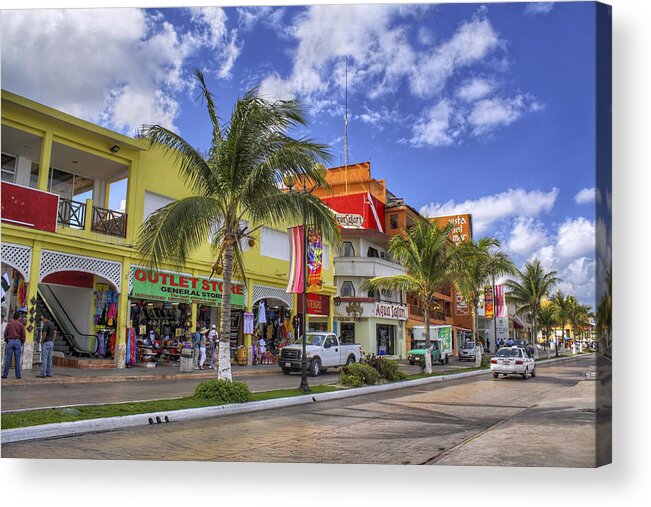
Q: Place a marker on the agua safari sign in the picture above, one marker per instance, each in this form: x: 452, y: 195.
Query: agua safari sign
x: 391, y: 311
x: 181, y: 288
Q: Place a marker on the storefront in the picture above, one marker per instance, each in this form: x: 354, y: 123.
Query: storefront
x: 382, y: 332
x: 166, y: 306
x: 318, y: 311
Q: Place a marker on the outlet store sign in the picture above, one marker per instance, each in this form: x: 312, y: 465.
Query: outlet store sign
x: 182, y: 288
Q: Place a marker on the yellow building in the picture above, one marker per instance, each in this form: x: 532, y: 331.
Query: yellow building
x: 75, y: 256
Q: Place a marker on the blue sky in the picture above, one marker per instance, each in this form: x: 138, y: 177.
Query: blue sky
x: 481, y: 108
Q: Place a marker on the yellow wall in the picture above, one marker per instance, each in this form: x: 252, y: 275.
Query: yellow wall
x: 149, y: 170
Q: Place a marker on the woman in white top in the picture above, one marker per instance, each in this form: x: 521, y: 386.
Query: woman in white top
x: 213, y: 340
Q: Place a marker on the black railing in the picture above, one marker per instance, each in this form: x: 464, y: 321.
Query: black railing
x: 72, y: 213
x: 110, y: 222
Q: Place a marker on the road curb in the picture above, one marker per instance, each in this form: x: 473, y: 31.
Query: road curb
x: 115, y: 423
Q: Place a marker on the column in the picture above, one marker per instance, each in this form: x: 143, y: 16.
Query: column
x: 124, y: 316
x: 44, y: 162
x: 331, y: 313
x: 249, y: 308
x: 27, y: 358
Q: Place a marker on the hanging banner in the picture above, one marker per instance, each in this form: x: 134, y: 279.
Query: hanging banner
x: 248, y: 323
x: 481, y: 305
x: 314, y: 260
x: 296, y: 260
x: 489, y: 307
x: 181, y: 288
x: 461, y: 306
x: 500, y: 301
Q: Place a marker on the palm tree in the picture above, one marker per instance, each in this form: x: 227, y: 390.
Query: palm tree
x: 473, y: 266
x: 528, y: 290
x: 579, y: 317
x: 238, y: 182
x: 604, y: 314
x: 498, y: 264
x: 562, y: 308
x: 426, y: 253
x: 546, y: 322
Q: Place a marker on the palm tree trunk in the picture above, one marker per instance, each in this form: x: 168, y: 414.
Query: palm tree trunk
x: 428, y: 342
x: 224, y: 365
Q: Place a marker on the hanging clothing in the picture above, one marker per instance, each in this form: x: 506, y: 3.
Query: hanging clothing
x: 262, y: 313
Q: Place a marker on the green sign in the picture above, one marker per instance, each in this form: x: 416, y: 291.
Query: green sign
x: 182, y: 288
x: 445, y: 335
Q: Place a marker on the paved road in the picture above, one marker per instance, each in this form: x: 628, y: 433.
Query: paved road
x: 546, y: 421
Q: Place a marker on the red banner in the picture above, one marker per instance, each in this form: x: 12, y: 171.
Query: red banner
x: 317, y: 304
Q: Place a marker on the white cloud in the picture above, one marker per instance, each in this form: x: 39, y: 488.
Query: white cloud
x: 434, y: 128
x: 117, y: 67
x: 527, y: 236
x: 475, y: 89
x: 490, y: 113
x: 534, y: 8
x: 576, y: 237
x: 585, y: 196
x: 489, y: 209
x: 472, y: 42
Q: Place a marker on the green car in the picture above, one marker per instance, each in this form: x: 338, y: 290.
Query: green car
x: 441, y: 340
x: 419, y: 351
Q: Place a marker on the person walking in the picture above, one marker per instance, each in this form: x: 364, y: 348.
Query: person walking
x: 14, y: 336
x: 47, y: 346
x: 202, y: 347
x: 196, y: 338
x: 213, y: 340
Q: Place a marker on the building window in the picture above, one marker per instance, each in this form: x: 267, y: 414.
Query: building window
x: 393, y: 220
x: 33, y: 175
x: 347, y: 333
x: 347, y: 290
x: 372, y: 252
x: 374, y: 294
x: 8, y: 168
x: 386, y: 340
x: 347, y: 249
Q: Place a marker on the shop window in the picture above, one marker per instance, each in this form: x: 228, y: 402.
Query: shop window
x: 386, y: 338
x: 347, y: 289
x: 8, y: 168
x: 347, y: 333
x: 347, y: 249
x: 393, y: 220
x: 372, y: 252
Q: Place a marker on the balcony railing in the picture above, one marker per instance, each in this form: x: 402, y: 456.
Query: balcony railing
x: 72, y: 213
x: 418, y: 313
x: 110, y: 222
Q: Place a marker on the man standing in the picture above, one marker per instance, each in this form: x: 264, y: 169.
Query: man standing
x: 213, y: 340
x: 47, y: 346
x: 14, y: 335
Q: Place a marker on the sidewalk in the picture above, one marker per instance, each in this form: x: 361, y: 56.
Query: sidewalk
x: 67, y: 375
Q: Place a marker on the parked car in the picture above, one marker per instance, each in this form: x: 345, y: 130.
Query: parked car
x: 323, y: 351
x: 467, y: 351
x: 513, y: 361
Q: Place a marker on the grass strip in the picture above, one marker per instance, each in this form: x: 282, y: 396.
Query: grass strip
x: 441, y: 373
x: 59, y: 415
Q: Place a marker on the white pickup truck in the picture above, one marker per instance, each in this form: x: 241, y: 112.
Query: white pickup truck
x: 323, y: 351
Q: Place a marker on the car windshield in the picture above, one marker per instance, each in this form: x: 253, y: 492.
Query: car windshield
x: 315, y: 339
x: 469, y: 345
x: 508, y: 353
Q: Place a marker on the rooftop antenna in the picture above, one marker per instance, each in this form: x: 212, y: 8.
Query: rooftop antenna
x: 346, y: 129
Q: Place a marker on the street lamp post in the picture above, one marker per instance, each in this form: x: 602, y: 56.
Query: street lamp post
x: 290, y: 182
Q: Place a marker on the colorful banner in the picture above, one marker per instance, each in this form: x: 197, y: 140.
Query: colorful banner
x: 181, y: 288
x: 461, y: 306
x: 314, y: 260
x: 489, y: 307
x: 296, y: 260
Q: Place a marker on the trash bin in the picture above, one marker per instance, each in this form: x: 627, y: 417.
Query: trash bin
x: 241, y: 356
x: 187, y: 360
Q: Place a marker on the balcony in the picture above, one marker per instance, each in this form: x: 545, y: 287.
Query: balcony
x: 366, y: 267
x: 417, y: 313
x: 73, y: 214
